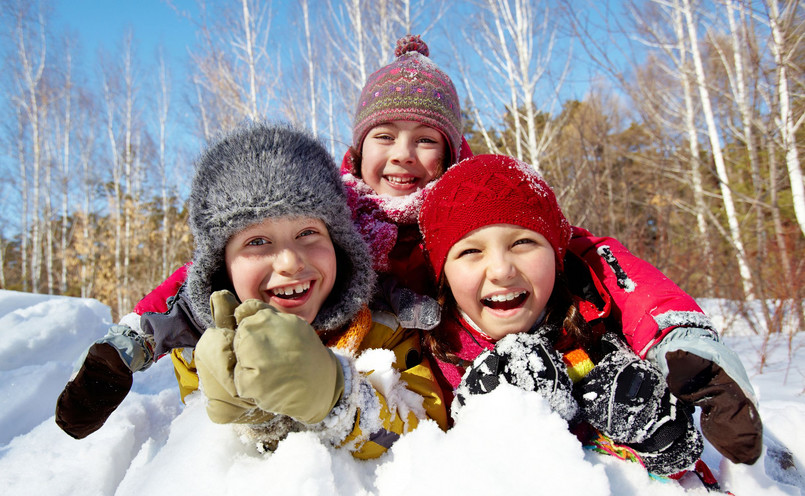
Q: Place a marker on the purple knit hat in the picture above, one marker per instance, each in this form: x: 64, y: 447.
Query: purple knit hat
x: 412, y: 88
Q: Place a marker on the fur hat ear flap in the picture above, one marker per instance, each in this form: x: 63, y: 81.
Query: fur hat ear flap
x: 261, y: 171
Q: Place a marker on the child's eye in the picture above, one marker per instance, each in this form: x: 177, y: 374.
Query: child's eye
x: 383, y: 137
x: 256, y: 242
x: 524, y: 241
x: 468, y: 251
x: 307, y: 232
x: 428, y: 140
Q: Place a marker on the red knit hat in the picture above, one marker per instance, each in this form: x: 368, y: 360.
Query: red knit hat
x: 412, y: 88
x: 485, y: 190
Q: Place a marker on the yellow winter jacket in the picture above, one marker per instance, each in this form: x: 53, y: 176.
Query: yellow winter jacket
x: 415, y: 371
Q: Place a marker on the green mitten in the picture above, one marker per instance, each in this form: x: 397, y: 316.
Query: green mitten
x: 282, y: 365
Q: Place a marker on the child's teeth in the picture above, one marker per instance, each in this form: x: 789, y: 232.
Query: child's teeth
x: 291, y: 290
x: 400, y: 180
x: 506, y: 297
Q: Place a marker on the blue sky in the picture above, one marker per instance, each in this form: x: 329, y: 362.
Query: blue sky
x: 102, y: 23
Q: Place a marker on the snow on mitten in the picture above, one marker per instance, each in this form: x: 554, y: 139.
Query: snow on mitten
x: 626, y: 399
x: 525, y: 360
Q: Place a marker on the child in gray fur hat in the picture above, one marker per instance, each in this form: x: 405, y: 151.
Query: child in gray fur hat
x: 278, y: 291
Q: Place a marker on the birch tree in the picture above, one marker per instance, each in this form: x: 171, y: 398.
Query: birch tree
x: 120, y: 88
x: 235, y: 77
x: 716, y: 151
x: 786, y: 34
x: 516, y: 42
x: 31, y: 53
x: 67, y: 115
x: 163, y: 108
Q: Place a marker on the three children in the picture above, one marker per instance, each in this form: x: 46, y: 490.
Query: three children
x: 406, y: 133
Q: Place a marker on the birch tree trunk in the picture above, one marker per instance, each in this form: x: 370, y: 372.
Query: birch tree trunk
x: 116, y: 194
x: 65, y: 162
x: 311, y: 79
x: 24, y: 230
x: 251, y: 61
x: 30, y: 76
x: 47, y: 220
x: 163, y: 107
x: 788, y: 126
x: 693, y: 144
x: 715, y: 146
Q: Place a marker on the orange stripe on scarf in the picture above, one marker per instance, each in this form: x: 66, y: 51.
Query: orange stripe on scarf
x: 350, y: 339
x: 578, y: 364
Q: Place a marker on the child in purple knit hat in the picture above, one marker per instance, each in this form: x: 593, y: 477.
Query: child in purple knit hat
x: 406, y: 133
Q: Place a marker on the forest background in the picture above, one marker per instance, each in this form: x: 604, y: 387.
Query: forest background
x: 672, y: 125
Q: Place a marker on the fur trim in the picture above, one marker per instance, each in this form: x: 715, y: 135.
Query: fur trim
x: 263, y: 171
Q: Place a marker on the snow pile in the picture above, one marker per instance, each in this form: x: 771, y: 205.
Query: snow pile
x: 507, y: 442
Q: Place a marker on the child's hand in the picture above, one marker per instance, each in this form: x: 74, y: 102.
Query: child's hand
x: 527, y: 361
x: 273, y: 361
x: 701, y: 371
x: 729, y: 419
x: 103, y: 380
x: 215, y: 363
x: 627, y: 399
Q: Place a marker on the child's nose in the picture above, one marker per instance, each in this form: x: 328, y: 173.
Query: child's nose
x: 288, y: 262
x: 403, y: 151
x: 500, y: 268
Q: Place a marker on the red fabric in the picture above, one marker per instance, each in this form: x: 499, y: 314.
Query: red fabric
x: 486, y: 190
x: 471, y: 344
x: 156, y: 300
x: 652, y: 294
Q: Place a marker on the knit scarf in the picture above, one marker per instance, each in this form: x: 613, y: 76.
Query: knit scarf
x: 377, y: 217
x: 350, y: 339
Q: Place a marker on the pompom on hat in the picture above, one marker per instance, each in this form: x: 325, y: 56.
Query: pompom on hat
x: 412, y: 88
x: 486, y: 190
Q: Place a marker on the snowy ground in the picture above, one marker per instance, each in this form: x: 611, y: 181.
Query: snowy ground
x: 506, y: 442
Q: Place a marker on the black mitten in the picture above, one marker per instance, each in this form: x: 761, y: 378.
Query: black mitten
x: 626, y: 399
x: 729, y: 419
x: 525, y: 360
x: 102, y: 383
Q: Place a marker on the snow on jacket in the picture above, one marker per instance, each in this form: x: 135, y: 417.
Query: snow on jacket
x: 385, y: 401
x: 614, y: 290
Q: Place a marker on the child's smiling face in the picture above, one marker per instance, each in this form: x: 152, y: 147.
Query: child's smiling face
x: 501, y: 276
x: 401, y: 157
x: 288, y: 262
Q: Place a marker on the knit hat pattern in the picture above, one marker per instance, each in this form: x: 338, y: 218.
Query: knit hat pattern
x: 262, y: 171
x: 412, y: 88
x: 486, y: 190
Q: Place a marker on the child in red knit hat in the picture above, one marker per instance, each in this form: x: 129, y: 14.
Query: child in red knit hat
x: 520, y: 286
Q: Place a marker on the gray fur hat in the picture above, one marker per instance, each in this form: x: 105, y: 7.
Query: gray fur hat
x: 260, y: 171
